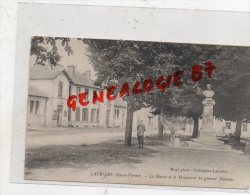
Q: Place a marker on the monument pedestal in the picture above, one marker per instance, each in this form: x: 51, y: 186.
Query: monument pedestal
x: 209, y: 142
x: 208, y: 138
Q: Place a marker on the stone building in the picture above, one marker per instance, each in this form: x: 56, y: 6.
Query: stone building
x: 48, y: 93
x: 37, y: 106
x: 92, y: 115
x: 49, y: 89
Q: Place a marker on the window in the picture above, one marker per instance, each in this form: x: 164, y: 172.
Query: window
x: 36, y: 107
x: 78, y: 90
x: 123, y: 118
x: 85, y: 114
x: 87, y: 94
x: 31, y: 107
x: 60, y: 89
x: 117, y: 112
x: 93, y: 115
x: 77, y: 114
x: 97, y: 117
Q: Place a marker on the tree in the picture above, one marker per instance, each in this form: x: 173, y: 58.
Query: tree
x: 117, y: 62
x: 162, y: 106
x: 186, y: 99
x: 190, y: 103
x: 231, y: 83
x: 46, y: 49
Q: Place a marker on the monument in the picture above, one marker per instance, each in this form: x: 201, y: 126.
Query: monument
x: 207, y: 134
x: 207, y: 116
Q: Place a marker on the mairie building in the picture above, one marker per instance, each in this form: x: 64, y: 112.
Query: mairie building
x: 51, y: 86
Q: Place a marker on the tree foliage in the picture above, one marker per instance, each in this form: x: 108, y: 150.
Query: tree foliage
x: 46, y: 49
x: 231, y: 82
x: 117, y: 62
x: 186, y: 100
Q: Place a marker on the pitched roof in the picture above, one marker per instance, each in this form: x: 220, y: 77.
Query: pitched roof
x: 44, y: 72
x: 81, y: 79
x: 34, y: 91
x: 119, y: 102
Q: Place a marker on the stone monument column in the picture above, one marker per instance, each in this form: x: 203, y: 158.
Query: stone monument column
x: 207, y: 133
x: 207, y: 129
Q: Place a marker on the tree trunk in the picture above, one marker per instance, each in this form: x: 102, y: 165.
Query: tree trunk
x: 237, y: 133
x: 161, y: 125
x: 195, y: 127
x: 129, y: 124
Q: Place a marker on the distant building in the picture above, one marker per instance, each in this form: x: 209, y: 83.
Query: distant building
x: 149, y: 120
x: 119, y: 113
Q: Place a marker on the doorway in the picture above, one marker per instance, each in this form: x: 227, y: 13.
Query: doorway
x: 59, y: 115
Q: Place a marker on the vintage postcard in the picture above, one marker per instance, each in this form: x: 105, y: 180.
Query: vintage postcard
x: 138, y: 112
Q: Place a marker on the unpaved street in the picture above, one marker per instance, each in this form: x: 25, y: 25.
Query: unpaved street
x: 99, y: 155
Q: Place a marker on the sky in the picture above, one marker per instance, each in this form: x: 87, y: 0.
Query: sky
x: 79, y: 57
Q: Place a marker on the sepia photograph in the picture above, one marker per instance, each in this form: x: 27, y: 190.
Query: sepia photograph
x: 138, y: 112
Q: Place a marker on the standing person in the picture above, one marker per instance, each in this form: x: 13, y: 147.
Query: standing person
x: 140, y: 133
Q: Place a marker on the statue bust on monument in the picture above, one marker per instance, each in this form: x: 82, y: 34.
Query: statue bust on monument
x: 208, y: 93
x: 208, y: 96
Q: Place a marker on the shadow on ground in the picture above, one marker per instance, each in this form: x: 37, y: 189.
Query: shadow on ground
x: 84, y: 156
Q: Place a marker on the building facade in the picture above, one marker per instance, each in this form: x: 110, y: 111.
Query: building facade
x: 53, y: 84
x: 49, y: 89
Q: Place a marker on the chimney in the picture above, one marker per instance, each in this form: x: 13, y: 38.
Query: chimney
x: 71, y: 69
x: 87, y: 73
